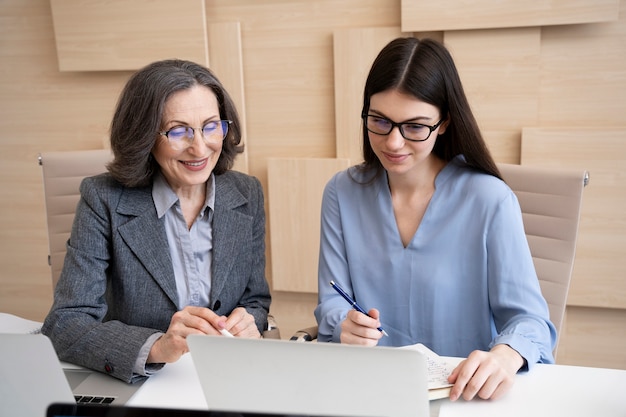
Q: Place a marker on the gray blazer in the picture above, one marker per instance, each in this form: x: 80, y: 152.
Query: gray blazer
x: 117, y: 286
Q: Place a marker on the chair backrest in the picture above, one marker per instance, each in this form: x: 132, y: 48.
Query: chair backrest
x: 551, y: 201
x: 62, y: 173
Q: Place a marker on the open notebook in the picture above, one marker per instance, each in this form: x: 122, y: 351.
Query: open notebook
x: 326, y: 379
x: 32, y: 378
x: 438, y: 370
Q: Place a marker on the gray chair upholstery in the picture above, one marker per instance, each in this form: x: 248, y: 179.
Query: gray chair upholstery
x: 62, y: 173
x: 551, y: 201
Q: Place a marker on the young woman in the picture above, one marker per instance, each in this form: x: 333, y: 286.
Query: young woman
x: 425, y: 235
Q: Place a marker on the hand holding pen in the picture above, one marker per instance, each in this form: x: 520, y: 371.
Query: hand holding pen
x: 353, y: 303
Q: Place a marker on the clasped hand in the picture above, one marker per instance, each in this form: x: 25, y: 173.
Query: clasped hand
x: 487, y: 375
x: 199, y: 320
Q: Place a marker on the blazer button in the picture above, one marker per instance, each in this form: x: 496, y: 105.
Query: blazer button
x: 108, y: 367
x: 217, y: 305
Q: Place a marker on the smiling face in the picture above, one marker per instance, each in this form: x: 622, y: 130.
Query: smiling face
x: 190, y: 167
x: 397, y: 155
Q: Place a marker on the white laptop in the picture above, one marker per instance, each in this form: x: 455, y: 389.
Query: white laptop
x: 28, y: 362
x: 325, y: 379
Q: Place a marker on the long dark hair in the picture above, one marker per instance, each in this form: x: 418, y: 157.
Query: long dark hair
x: 139, y: 112
x: 425, y: 69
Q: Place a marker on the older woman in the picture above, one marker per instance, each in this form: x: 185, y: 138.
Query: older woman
x: 169, y: 242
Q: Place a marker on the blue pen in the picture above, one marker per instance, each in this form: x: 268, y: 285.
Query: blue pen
x: 353, y: 303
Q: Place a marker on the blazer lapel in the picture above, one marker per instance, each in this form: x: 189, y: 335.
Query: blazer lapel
x: 229, y: 228
x: 146, y: 238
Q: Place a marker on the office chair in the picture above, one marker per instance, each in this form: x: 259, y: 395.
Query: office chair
x: 62, y: 173
x: 551, y: 201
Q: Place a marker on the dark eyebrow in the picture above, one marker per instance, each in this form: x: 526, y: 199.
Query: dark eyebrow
x: 416, y: 119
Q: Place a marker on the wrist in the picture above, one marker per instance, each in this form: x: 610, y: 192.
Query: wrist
x: 154, y: 355
x: 511, y: 358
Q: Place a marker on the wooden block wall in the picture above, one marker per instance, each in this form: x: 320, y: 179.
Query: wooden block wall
x: 455, y: 15
x: 599, y: 272
x: 582, y: 74
x: 294, y: 68
x: 226, y: 61
x: 596, y: 305
x: 295, y: 193
x: 354, y: 51
x: 500, y: 73
x: 594, y: 337
x: 121, y: 35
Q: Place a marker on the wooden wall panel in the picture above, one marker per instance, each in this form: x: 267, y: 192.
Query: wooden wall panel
x: 500, y: 73
x: 294, y: 311
x: 594, y: 337
x: 288, y: 70
x: 289, y: 94
x: 504, y: 144
x: 295, y: 195
x: 454, y: 14
x: 40, y: 109
x: 600, y: 267
x: 105, y: 35
x: 583, y: 74
x: 226, y: 61
x: 354, y: 51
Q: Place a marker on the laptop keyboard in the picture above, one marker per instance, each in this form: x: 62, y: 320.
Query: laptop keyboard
x: 88, y: 399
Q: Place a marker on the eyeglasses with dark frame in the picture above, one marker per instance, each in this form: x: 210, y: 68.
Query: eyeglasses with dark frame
x: 411, y: 131
x: 181, y: 137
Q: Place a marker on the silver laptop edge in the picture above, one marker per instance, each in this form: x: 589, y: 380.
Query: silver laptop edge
x: 310, y: 378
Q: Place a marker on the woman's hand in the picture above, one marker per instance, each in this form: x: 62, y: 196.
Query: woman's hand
x: 361, y: 329
x: 190, y: 320
x: 486, y: 374
x: 240, y: 323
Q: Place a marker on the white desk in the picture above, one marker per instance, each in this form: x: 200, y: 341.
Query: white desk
x: 553, y: 390
x: 176, y: 386
x: 548, y: 390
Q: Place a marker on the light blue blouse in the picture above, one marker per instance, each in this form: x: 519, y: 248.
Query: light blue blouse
x: 191, y: 250
x: 466, y: 280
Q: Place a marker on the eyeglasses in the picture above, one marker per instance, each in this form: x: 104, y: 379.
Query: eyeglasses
x: 181, y: 137
x: 415, y: 132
